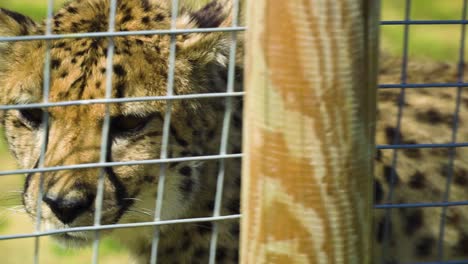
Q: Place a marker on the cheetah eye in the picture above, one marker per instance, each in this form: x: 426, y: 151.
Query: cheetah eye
x: 31, y: 117
x: 125, y: 125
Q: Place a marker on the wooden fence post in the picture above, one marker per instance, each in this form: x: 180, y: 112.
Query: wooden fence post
x: 309, y: 131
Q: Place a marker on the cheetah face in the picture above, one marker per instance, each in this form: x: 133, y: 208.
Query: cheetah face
x: 74, y: 133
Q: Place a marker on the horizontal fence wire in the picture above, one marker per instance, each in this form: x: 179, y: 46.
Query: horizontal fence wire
x: 423, y: 85
x: 417, y: 205
x: 121, y: 163
x: 441, y: 262
x: 424, y: 22
x: 123, y: 100
x: 121, y: 34
x: 128, y: 225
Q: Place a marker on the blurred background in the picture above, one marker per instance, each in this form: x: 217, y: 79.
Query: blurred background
x: 432, y: 42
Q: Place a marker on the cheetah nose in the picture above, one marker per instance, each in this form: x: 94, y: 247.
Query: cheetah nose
x: 68, y: 209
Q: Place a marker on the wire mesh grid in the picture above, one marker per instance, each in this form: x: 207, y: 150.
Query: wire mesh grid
x: 107, y: 101
x: 404, y: 86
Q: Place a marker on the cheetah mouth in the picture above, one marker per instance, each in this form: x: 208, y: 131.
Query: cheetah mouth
x: 74, y: 239
x: 69, y: 239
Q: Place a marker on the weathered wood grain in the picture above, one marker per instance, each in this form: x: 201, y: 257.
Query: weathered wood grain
x: 309, y: 128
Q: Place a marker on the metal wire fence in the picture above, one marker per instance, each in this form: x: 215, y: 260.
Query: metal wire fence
x: 170, y: 96
x: 164, y: 159
x: 453, y: 145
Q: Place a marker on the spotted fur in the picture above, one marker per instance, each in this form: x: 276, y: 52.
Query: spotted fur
x: 420, y: 175
x: 140, y: 68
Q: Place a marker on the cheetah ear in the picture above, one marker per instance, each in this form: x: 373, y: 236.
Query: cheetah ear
x: 13, y: 24
x: 206, y: 48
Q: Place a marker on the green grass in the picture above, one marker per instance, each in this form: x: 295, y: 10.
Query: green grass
x: 439, y: 42
x: 107, y: 247
x: 36, y: 9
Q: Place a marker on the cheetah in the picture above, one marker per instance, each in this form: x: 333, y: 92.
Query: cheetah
x: 140, y: 66
x: 411, y: 235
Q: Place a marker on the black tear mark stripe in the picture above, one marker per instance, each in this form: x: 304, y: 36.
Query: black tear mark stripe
x: 120, y: 191
x: 182, y: 142
x: 28, y: 181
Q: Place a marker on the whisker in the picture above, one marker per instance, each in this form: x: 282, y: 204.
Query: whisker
x: 133, y: 199
x: 140, y: 212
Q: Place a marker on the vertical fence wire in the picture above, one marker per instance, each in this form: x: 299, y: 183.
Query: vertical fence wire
x: 396, y: 140
x: 166, y: 131
x: 105, y: 131
x: 225, y: 133
x: 44, y: 128
x: 452, y: 151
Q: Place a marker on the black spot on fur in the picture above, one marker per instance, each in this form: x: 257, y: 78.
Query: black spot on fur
x: 57, y: 16
x: 72, y: 10
x: 60, y: 44
x: 414, y: 221
x: 159, y: 17
x: 461, y: 247
x: 139, y: 42
x: 80, y: 53
x: 73, y: 61
x: 432, y: 116
x: 209, y: 16
x: 378, y: 192
x: 461, y: 177
x: 120, y: 88
x: 119, y: 70
x: 64, y: 74
x: 145, y: 20
x: 55, y: 64
x: 425, y: 246
x: 126, y: 18
x: 412, y: 152
x: 381, y: 229
x: 417, y: 181
x: 186, y: 171
x: 392, y: 135
x: 390, y: 173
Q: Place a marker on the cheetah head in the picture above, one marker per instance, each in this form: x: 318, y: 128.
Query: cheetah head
x: 74, y: 133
